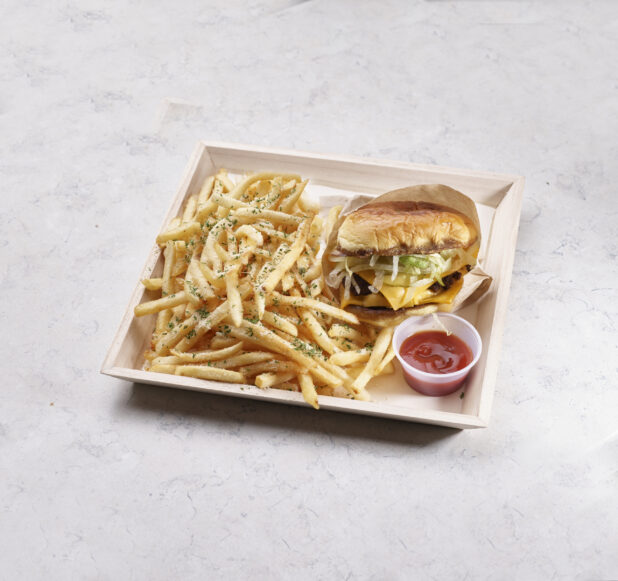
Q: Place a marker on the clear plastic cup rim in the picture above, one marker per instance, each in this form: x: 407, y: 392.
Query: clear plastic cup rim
x: 427, y: 323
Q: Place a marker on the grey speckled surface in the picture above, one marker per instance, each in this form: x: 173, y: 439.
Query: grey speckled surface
x: 100, y: 106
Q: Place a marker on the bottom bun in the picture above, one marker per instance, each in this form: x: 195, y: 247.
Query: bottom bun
x: 383, y: 317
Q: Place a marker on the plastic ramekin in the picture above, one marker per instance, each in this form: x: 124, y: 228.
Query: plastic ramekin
x: 437, y: 384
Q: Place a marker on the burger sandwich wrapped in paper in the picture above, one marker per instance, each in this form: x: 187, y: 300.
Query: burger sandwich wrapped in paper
x: 409, y: 251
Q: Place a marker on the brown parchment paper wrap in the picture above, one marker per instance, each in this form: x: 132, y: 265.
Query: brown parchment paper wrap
x: 476, y: 282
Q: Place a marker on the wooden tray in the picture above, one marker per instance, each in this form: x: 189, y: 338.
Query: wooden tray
x: 498, y: 198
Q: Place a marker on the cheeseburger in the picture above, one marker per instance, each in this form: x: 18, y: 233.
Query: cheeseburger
x: 403, y: 253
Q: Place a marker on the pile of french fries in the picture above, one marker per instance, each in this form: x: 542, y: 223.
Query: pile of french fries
x: 243, y: 299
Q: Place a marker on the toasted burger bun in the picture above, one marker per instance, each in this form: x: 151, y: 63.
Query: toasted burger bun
x: 394, y: 228
x: 416, y: 220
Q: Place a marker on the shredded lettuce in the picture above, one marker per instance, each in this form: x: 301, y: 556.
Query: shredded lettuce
x: 395, y: 268
x: 406, y: 270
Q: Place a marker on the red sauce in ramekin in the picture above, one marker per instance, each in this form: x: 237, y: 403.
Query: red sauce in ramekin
x: 438, y: 353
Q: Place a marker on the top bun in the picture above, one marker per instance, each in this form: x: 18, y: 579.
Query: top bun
x: 397, y: 227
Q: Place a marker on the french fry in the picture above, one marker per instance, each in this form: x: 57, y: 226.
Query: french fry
x: 308, y: 389
x: 287, y: 187
x: 269, y: 379
x: 232, y: 243
x: 221, y: 252
x: 190, y: 308
x: 270, y: 230
x: 210, y: 255
x: 385, y: 367
x: 182, y: 232
x: 225, y: 180
x: 233, y: 297
x: 263, y: 253
x: 315, y: 235
x: 251, y: 234
x: 227, y: 201
x: 191, y: 290
x: 262, y: 188
x: 347, y: 345
x: 287, y: 281
x: 163, y: 369
x: 204, y: 288
x: 313, y: 272
x: 212, y: 355
x: 377, y: 354
x: 279, y: 322
x: 174, y: 223
x: 289, y: 259
x: 345, y: 358
x: 169, y: 256
x: 260, y: 302
x: 152, y: 283
x: 318, y: 332
x: 189, y: 211
x: 244, y: 359
x: 302, y: 285
x: 251, y: 214
x: 274, y: 365
x: 205, y: 192
x: 288, y: 204
x: 208, y: 207
x: 212, y: 373
x: 157, y: 305
x: 180, y: 257
x: 273, y: 196
x: 309, y: 205
x: 221, y: 341
x: 266, y: 269
x: 167, y: 360
x: 214, y: 280
x: 340, y: 331
x: 276, y: 299
x: 316, y: 287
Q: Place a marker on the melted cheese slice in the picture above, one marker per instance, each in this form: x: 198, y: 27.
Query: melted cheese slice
x: 399, y: 297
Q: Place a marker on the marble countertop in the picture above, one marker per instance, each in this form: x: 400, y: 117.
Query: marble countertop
x: 101, y: 104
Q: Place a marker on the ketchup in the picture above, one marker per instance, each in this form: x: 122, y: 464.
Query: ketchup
x: 436, y: 352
